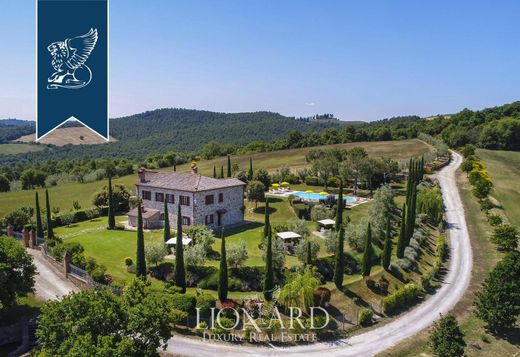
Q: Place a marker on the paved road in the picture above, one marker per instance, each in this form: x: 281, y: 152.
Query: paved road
x: 49, y: 284
x: 379, y: 339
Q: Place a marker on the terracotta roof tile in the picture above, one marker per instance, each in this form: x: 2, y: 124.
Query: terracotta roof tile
x: 185, y: 181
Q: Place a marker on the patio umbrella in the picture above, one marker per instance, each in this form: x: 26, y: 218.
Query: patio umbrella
x: 275, y: 185
x: 285, y: 183
x: 309, y: 191
x: 324, y: 193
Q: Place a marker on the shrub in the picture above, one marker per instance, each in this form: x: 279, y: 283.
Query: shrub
x: 441, y: 247
x: 486, y: 204
x: 495, y: 219
x: 98, y: 274
x: 319, y: 212
x: 365, y: 317
x: 178, y: 317
x: 184, y: 302
x: 431, y: 274
x: 313, y: 181
x: 204, y: 302
x: 401, y: 298
x: 128, y: 261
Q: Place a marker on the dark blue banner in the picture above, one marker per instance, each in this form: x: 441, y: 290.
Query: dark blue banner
x: 72, y: 64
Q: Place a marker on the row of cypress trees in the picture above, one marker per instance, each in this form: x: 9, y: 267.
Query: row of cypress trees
x: 229, y: 174
x: 409, y: 212
x: 39, y: 225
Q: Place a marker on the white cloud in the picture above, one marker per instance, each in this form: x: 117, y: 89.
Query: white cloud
x: 310, y: 104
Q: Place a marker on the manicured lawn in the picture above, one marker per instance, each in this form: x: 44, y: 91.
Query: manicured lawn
x: 62, y: 196
x: 11, y: 149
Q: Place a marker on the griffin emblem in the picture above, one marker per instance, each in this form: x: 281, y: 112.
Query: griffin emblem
x: 68, y: 61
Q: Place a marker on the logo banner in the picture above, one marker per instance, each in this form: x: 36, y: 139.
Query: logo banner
x: 72, y: 64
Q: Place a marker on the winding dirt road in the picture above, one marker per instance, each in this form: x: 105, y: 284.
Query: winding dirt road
x: 377, y: 340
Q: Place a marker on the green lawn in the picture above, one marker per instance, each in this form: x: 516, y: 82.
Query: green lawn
x: 62, y: 196
x: 504, y: 168
x: 11, y: 149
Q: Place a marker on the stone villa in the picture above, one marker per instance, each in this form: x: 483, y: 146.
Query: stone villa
x: 204, y: 200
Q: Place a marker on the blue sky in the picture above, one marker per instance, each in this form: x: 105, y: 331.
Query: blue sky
x: 361, y: 60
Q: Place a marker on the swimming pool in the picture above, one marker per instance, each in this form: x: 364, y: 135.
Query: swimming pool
x: 316, y: 196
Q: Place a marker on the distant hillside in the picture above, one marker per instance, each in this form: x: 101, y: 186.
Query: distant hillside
x: 188, y: 130
x: 11, y: 129
x: 72, y: 134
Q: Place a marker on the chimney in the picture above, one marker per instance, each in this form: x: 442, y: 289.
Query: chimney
x: 194, y: 168
x: 141, y: 173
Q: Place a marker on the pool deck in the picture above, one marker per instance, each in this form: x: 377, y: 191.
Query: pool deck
x: 286, y: 193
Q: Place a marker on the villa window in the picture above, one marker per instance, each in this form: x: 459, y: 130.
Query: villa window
x: 186, y: 221
x: 159, y: 197
x: 210, y: 199
x: 162, y: 217
x: 146, y: 195
x: 221, y: 197
x: 170, y: 198
x: 184, y: 200
x: 209, y: 219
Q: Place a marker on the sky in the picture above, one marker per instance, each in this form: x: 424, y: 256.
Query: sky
x: 360, y: 60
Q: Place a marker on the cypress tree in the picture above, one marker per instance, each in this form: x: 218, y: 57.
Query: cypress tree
x: 39, y: 225
x: 223, y: 271
x: 367, y: 262
x: 228, y: 166
x: 221, y: 171
x: 166, y: 222
x: 180, y: 274
x: 341, y: 203
x: 401, y: 242
x: 111, y: 215
x: 267, y: 222
x: 269, y: 272
x: 140, y: 259
x: 387, y: 248
x: 339, y: 266
x: 250, y: 172
x: 309, y: 253
x: 214, y: 172
x: 50, y: 232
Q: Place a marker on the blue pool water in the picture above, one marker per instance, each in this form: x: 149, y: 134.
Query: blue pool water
x: 317, y: 196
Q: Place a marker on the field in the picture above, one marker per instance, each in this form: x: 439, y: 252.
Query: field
x: 12, y: 149
x: 63, y: 136
x: 504, y: 168
x: 63, y: 195
x: 485, y: 256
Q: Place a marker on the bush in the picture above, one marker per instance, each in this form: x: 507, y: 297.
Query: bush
x: 432, y: 273
x: 441, y: 247
x: 302, y: 211
x: 178, y: 317
x: 365, y: 317
x: 99, y: 274
x: 486, y: 205
x: 128, y: 261
x: 184, y: 302
x: 401, y: 298
x: 313, y: 181
x: 204, y: 302
x: 495, y: 220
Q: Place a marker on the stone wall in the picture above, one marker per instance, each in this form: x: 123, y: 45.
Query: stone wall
x: 233, y: 204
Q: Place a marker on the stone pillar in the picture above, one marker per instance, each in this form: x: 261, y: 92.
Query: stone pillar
x: 10, y: 230
x: 25, y: 237
x: 32, y: 242
x: 66, y: 264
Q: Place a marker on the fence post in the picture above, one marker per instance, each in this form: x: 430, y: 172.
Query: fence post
x: 10, y: 230
x: 66, y: 264
x: 25, y: 237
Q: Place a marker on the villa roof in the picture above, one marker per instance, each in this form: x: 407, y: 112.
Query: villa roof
x: 146, y: 212
x: 187, y: 181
